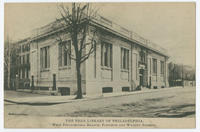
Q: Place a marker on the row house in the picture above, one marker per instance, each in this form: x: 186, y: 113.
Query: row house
x: 122, y: 61
x: 23, y: 63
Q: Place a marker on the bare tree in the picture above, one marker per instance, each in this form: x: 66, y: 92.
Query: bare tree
x: 180, y: 72
x: 75, y: 21
x: 7, y: 64
x: 10, y: 62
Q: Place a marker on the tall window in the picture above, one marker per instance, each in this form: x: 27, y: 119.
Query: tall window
x: 155, y: 66
x: 124, y: 58
x: 20, y: 60
x: 142, y: 56
x: 22, y: 48
x: 28, y: 47
x: 23, y: 72
x: 64, y: 54
x: 27, y: 73
x: 27, y: 57
x: 106, y: 55
x: 23, y: 59
x: 45, y: 57
x: 161, y: 68
x: 19, y: 73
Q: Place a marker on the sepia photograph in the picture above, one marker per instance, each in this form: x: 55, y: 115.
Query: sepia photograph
x: 100, y: 65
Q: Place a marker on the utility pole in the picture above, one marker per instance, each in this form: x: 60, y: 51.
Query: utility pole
x: 173, y: 75
x: 9, y: 61
x: 182, y: 77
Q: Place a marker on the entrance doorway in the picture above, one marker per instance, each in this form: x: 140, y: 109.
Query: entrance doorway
x: 141, y: 77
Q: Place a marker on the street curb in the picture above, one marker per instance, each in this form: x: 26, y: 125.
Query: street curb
x: 36, y: 103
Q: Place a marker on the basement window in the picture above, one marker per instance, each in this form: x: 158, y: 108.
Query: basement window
x: 107, y: 90
x: 125, y: 89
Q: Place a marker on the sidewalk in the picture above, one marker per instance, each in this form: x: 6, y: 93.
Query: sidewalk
x: 51, y: 100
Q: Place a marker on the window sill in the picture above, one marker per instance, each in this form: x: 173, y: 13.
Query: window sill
x: 154, y: 74
x: 45, y: 70
x: 106, y: 68
x: 64, y: 67
x: 124, y: 70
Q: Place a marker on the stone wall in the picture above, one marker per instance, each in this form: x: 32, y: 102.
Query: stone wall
x: 94, y: 76
x: 65, y: 76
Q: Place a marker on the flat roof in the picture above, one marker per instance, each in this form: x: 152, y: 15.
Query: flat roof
x: 109, y: 25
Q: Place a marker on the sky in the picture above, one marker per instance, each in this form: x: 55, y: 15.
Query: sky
x: 169, y: 25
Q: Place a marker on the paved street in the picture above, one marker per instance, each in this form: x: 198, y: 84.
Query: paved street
x: 171, y: 102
